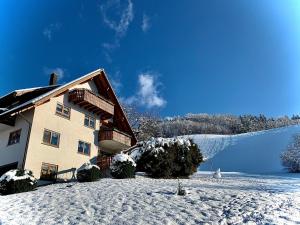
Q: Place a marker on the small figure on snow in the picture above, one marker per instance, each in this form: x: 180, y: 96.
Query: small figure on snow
x: 217, y: 174
x: 180, y: 190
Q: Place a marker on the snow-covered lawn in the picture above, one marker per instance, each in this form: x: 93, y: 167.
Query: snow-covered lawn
x: 234, y: 199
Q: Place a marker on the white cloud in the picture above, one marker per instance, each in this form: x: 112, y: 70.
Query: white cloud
x: 111, y: 46
x: 48, y: 31
x: 129, y: 101
x: 148, y: 91
x: 145, y: 23
x: 148, y: 94
x: 119, y: 23
x: 58, y: 71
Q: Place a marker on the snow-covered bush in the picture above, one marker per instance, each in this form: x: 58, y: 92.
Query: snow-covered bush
x: 16, y: 181
x: 88, y: 173
x: 167, y: 157
x: 122, y: 166
x: 291, y: 157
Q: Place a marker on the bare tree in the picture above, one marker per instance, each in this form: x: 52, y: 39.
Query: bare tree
x: 148, y: 124
x: 291, y: 157
x: 144, y: 124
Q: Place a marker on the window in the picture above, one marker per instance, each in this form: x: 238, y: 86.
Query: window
x: 48, y: 171
x: 84, y: 148
x: 89, y: 121
x: 14, y: 137
x: 51, y: 138
x: 63, y: 110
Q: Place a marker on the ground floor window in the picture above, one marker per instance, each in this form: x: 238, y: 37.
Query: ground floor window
x: 84, y: 148
x: 14, y: 137
x: 48, y: 171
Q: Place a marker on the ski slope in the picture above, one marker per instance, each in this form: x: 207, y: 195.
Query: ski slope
x: 255, y: 152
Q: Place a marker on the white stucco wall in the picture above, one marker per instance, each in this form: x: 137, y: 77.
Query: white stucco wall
x: 90, y: 85
x: 71, y: 131
x: 14, y: 153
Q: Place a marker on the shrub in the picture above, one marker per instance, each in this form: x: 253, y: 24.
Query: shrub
x: 122, y: 166
x: 16, y: 181
x: 167, y: 157
x: 88, y: 173
x: 291, y: 157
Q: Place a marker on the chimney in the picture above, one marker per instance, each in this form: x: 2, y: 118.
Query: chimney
x: 53, y: 79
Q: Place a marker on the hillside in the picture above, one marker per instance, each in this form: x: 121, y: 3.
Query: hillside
x: 255, y: 152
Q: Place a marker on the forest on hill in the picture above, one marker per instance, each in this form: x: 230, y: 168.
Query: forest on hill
x: 146, y: 124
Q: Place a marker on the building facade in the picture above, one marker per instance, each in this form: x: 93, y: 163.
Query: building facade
x: 55, y: 129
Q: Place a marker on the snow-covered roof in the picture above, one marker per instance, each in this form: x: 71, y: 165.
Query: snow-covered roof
x: 34, y: 100
x: 24, y: 90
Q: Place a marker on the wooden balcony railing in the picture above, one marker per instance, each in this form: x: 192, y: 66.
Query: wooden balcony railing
x: 114, y: 139
x: 92, y: 102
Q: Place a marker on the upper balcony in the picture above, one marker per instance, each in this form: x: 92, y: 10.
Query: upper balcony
x: 92, y: 102
x: 113, y: 140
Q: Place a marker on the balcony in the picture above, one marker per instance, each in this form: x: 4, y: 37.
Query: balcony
x: 92, y: 102
x: 113, y: 141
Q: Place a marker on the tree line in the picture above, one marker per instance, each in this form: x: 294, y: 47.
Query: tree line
x: 146, y: 124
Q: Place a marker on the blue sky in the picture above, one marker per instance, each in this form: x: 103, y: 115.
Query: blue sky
x: 173, y: 58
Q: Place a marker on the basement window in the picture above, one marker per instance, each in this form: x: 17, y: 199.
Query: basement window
x: 63, y: 110
x: 14, y: 137
x: 84, y: 148
x: 89, y: 121
x: 48, y: 171
x: 51, y: 138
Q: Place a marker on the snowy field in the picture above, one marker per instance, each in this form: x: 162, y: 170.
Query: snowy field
x: 234, y: 199
x: 255, y: 152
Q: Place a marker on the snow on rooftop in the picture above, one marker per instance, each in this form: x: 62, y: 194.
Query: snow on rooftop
x: 32, y: 101
x: 26, y: 90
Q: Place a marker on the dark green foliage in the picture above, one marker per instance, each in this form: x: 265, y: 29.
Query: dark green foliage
x: 18, y: 186
x: 88, y: 175
x: 174, y: 161
x: 121, y: 170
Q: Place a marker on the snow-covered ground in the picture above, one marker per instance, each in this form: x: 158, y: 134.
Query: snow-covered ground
x: 234, y: 199
x: 255, y: 152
